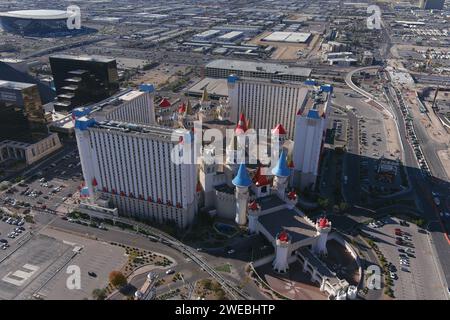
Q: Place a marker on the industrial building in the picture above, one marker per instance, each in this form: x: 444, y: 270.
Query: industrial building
x: 249, y: 69
x: 288, y: 37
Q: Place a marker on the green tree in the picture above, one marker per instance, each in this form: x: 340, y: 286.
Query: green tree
x: 117, y: 279
x: 323, y: 202
x: 99, y: 294
x: 343, y: 206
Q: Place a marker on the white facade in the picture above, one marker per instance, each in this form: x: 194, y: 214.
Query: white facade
x: 132, y: 165
x: 310, y: 128
x: 134, y: 107
x: 280, y: 263
x: 265, y: 103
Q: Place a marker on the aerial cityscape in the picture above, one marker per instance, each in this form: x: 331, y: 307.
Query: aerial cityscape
x: 225, y: 150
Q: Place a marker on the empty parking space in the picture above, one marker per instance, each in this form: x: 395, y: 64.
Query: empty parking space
x: 32, y: 260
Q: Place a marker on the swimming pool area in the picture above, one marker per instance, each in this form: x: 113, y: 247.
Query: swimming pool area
x: 225, y: 229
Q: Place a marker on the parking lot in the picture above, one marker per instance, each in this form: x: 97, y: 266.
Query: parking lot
x: 95, y: 260
x: 11, y: 234
x: 34, y: 260
x: 416, y: 277
x: 49, y: 188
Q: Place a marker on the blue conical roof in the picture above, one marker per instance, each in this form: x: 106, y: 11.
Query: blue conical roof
x: 281, y: 169
x: 242, y: 179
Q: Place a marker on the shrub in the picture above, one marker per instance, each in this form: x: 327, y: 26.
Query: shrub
x: 117, y: 279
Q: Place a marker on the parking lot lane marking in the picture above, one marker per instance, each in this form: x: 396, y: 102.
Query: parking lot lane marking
x: 20, y: 274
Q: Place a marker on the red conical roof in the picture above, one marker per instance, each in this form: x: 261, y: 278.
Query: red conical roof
x: 94, y: 182
x: 182, y: 108
x: 242, y: 125
x: 283, y: 236
x: 165, y: 103
x: 292, y: 195
x: 279, y: 130
x: 259, y: 179
x: 323, y: 222
x: 253, y: 205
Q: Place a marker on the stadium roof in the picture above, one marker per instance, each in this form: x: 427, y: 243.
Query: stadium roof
x: 36, y: 14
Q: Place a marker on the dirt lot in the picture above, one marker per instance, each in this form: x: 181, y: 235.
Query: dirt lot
x: 160, y: 75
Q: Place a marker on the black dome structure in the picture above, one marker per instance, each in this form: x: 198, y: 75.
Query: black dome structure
x: 39, y: 23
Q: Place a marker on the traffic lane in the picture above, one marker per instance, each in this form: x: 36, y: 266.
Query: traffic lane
x: 423, y: 193
x: 442, y: 249
x: 187, y: 270
x: 127, y: 238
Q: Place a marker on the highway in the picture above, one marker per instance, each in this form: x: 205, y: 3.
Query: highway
x: 354, y: 87
x: 421, y: 185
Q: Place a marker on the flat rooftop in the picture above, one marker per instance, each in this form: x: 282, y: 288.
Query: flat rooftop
x: 82, y: 58
x: 270, y: 202
x: 131, y: 95
x: 314, y: 100
x: 215, y: 87
x: 251, y: 66
x: 15, y: 85
x: 286, y: 219
x: 288, y: 37
x: 156, y: 132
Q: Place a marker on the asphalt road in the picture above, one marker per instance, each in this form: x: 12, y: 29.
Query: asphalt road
x: 422, y: 188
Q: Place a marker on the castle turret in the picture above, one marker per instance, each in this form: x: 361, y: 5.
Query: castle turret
x: 278, y: 139
x: 323, y: 227
x: 283, y: 241
x: 281, y: 173
x: 261, y: 185
x: 205, y: 96
x: 242, y: 125
x: 291, y: 199
x: 241, y: 182
x: 254, y: 210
